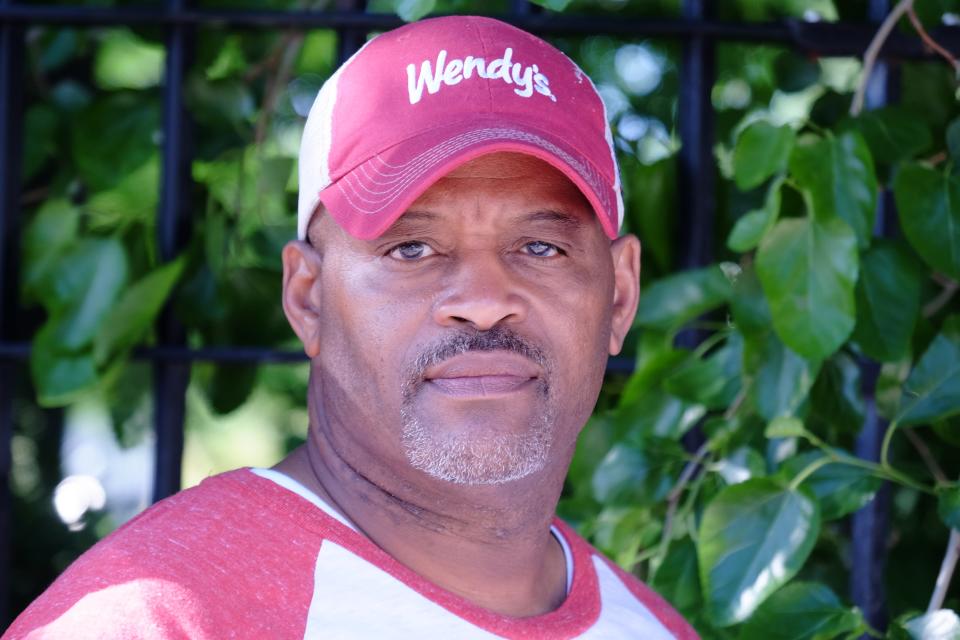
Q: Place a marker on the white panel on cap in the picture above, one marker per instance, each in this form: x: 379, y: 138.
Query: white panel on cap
x: 608, y: 136
x: 314, y: 169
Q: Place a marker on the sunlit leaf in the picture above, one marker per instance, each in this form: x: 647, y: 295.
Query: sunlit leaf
x: 754, y: 537
x: 124, y: 61
x: 51, y: 230
x: 840, y: 489
x: 412, y: 10
x: 60, y: 377
x: 81, y: 288
x: 839, y: 175
x: 785, y: 427
x: 942, y: 624
x: 631, y: 474
x: 751, y: 226
x: 808, y: 270
x: 802, y: 611
x: 761, y: 150
x: 135, y: 311
x: 671, y: 302
x: 780, y: 379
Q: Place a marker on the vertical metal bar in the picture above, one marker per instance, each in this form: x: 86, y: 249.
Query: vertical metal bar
x: 11, y: 148
x: 697, y: 173
x: 870, y: 524
x: 170, y: 379
x: 349, y: 41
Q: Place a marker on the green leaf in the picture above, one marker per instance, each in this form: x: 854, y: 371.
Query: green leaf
x: 671, y: 302
x: 754, y: 537
x: 52, y: 229
x: 124, y: 61
x: 113, y: 137
x: 808, y: 270
x: 677, y: 578
x: 761, y: 150
x: 413, y: 10
x: 133, y: 199
x: 632, y: 475
x: 751, y: 313
x: 932, y: 392
x: 943, y: 624
x: 948, y: 506
x: 621, y: 532
x: 781, y: 379
x: 230, y: 387
x: 59, y: 377
x: 81, y: 288
x: 953, y: 140
x: 888, y: 300
x: 892, y: 133
x: 553, y: 5
x: 712, y: 381
x: 836, y: 398
x: 752, y: 226
x: 802, y: 611
x: 928, y: 202
x: 839, y: 488
x: 838, y: 173
x: 135, y: 311
x: 40, y: 123
x: 785, y: 427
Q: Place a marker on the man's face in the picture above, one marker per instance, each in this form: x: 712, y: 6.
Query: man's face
x: 468, y: 341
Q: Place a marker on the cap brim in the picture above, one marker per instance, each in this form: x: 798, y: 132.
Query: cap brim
x: 369, y: 198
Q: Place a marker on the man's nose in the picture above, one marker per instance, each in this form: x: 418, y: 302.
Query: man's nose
x: 482, y: 292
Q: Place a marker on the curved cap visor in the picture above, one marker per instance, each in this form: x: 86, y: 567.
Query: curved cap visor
x: 369, y: 198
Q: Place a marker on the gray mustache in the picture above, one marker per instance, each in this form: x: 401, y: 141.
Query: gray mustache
x: 495, y: 339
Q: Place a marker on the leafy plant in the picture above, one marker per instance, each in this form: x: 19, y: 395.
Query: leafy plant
x: 723, y: 469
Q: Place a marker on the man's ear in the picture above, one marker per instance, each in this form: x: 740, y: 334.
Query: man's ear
x: 301, y: 293
x: 625, y: 252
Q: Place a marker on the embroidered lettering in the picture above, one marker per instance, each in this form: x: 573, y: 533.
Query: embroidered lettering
x: 443, y: 72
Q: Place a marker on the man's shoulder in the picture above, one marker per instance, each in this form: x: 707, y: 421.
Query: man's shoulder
x: 619, y: 588
x: 232, y: 539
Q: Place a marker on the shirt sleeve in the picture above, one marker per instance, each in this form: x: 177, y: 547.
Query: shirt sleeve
x: 145, y: 608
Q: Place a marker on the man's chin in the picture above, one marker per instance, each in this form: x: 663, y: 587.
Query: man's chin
x: 477, y: 454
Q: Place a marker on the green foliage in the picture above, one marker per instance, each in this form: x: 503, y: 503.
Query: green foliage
x: 758, y: 356
x: 753, y: 538
x: 803, y: 611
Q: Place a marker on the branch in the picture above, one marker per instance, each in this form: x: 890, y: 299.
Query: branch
x: 275, y: 87
x: 932, y: 308
x: 673, y: 498
x: 946, y: 572
x: 870, y: 56
x: 930, y: 42
x: 927, y: 456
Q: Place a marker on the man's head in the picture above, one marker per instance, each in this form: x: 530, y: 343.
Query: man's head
x: 467, y: 339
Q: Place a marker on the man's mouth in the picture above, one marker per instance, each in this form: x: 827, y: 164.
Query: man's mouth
x: 483, y: 374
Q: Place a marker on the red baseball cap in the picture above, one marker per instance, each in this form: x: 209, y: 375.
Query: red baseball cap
x: 416, y: 102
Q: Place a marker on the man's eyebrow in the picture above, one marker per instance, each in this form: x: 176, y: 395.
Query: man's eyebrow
x: 411, y: 222
x: 564, y: 219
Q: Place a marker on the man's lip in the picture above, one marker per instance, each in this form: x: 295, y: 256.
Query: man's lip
x: 485, y: 364
x: 478, y: 386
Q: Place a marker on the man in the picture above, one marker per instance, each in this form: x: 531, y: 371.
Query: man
x: 458, y: 285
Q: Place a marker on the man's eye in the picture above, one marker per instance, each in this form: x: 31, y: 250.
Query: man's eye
x: 541, y: 249
x: 411, y: 251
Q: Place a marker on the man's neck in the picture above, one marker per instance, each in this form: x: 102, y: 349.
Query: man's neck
x: 490, y: 545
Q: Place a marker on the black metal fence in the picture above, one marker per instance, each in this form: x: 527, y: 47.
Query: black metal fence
x: 697, y: 30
